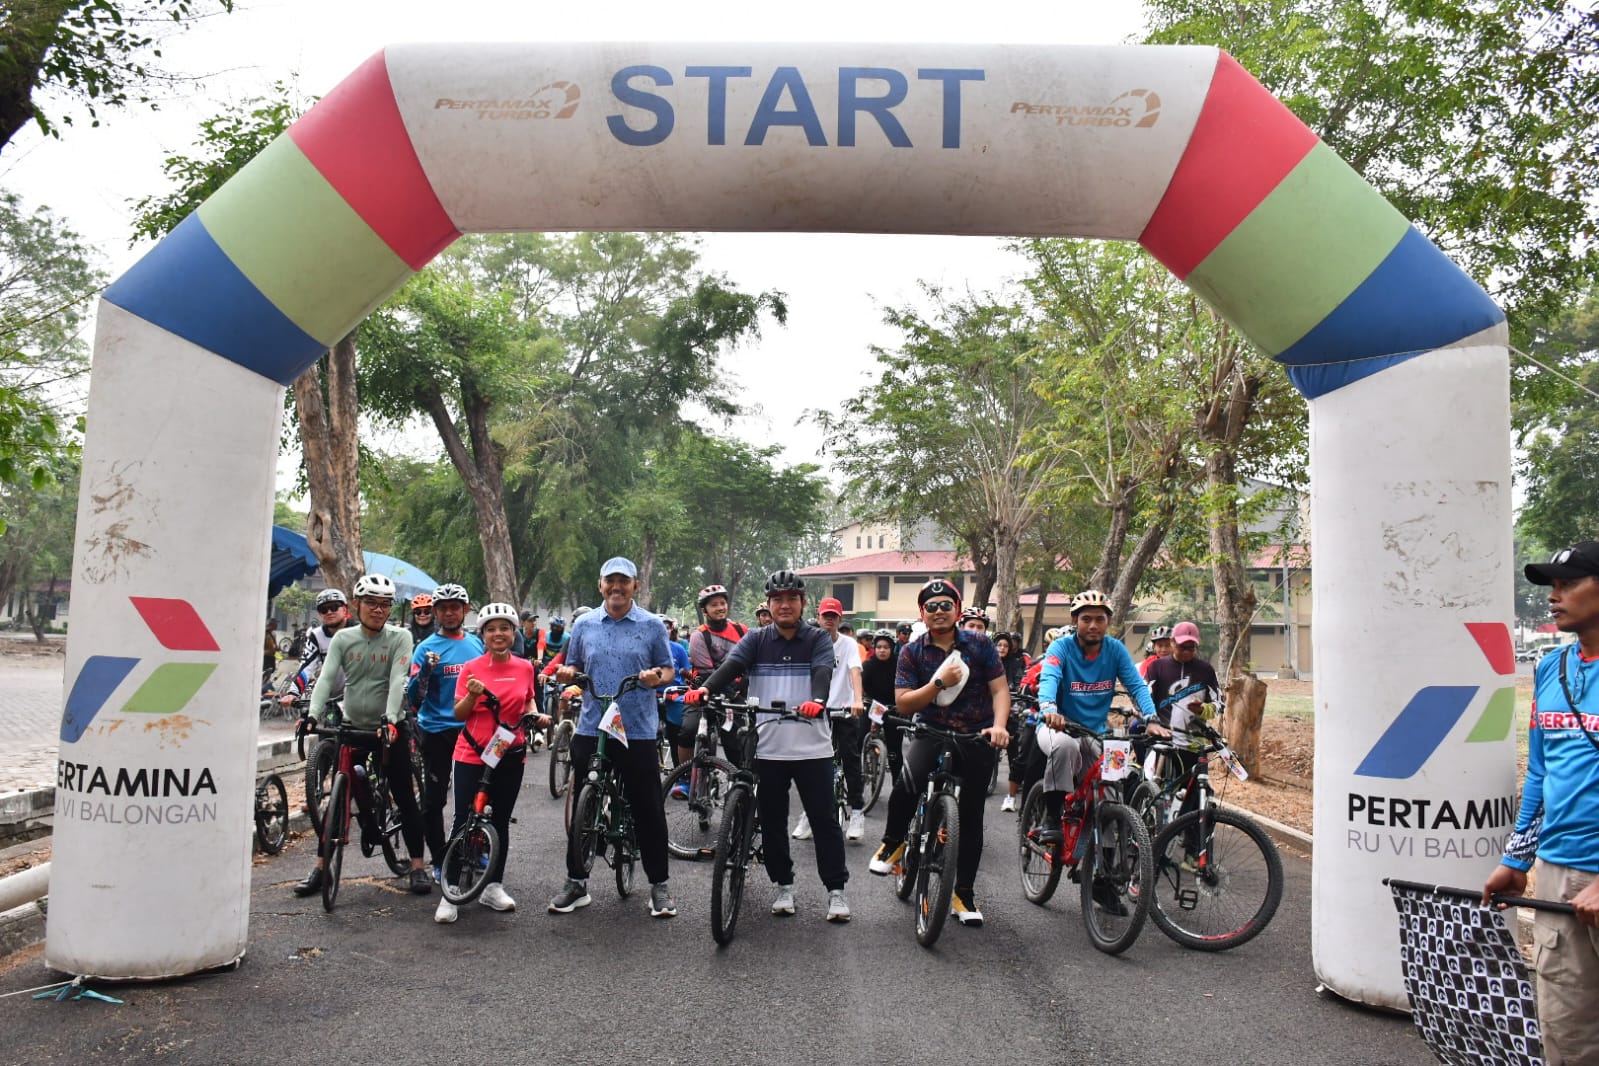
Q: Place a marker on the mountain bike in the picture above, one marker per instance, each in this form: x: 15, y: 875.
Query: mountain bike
x: 1104, y: 847
x: 271, y: 814
x: 700, y: 784
x: 1218, y: 875
x: 926, y: 872
x: 357, y: 791
x: 476, y: 848
x: 602, y: 819
x: 874, y: 766
x: 561, y: 734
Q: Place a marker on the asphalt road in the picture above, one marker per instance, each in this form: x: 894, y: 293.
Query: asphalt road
x: 378, y: 982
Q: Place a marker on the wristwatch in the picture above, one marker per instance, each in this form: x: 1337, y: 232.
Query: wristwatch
x: 938, y: 683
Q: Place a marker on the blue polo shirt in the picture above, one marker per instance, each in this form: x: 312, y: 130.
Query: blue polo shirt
x: 609, y: 649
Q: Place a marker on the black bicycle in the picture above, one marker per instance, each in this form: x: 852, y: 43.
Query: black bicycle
x: 602, y: 819
x: 695, y: 794
x: 874, y: 766
x: 562, y: 729
x: 477, y: 848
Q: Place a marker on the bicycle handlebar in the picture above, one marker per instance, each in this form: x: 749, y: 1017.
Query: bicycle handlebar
x: 629, y: 683
x: 932, y: 730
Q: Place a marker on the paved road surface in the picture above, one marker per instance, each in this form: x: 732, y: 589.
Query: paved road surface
x: 378, y: 982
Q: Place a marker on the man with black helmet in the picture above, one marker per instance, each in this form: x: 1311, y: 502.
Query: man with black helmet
x: 334, y: 611
x: 930, y: 667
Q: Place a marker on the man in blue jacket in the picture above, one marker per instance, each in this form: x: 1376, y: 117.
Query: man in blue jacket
x: 431, y: 694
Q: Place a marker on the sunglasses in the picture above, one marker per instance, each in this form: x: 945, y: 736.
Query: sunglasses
x: 938, y: 606
x: 329, y: 608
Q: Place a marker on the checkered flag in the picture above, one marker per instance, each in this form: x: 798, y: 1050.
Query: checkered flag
x: 1470, y: 992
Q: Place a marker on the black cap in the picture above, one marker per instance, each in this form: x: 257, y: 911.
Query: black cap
x: 937, y: 587
x: 1579, y: 560
x: 904, y: 627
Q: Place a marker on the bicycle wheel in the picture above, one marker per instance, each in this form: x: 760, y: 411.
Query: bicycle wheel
x: 1218, y: 879
x: 561, y: 759
x: 337, y: 812
x: 319, y: 769
x: 1117, y: 876
x: 905, y: 874
x: 387, y: 817
x: 271, y: 815
x: 624, y: 861
x: 692, y: 820
x: 583, y: 835
x: 731, y: 862
x: 935, y: 877
x: 471, y: 854
x: 1040, y: 863
x: 1145, y: 802
x: 874, y: 767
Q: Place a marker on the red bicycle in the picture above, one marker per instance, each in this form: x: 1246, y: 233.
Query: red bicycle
x: 357, y: 779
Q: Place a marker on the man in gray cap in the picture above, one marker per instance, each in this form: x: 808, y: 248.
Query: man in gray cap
x: 615, y: 642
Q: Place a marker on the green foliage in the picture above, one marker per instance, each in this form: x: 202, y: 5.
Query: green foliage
x: 1562, y: 503
x: 94, y: 51
x: 37, y: 527
x: 286, y: 516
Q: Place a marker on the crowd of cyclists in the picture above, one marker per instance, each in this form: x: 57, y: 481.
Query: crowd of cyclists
x: 426, y: 686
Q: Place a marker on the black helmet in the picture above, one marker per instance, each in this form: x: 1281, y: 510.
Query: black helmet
x: 784, y: 581
x: 904, y: 627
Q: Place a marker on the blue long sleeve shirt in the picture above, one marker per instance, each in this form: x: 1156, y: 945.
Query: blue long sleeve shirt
x: 1082, y: 687
x: 1562, y: 786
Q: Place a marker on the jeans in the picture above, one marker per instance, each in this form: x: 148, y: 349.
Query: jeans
x: 974, y: 763
x: 503, y: 789
x: 641, y: 783
x: 438, y: 760
x: 814, y: 779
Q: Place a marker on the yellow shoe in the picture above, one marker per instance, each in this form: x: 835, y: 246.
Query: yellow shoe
x: 888, y: 857
x: 963, y: 905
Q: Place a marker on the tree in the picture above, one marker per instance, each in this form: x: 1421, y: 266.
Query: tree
x: 1562, y: 504
x: 93, y: 50
x: 37, y: 541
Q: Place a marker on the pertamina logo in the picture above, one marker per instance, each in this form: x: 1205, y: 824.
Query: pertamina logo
x: 1134, y: 109
x: 170, y: 686
x: 558, y: 99
x: 1431, y: 714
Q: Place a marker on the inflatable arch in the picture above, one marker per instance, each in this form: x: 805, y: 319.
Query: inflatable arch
x: 1401, y: 357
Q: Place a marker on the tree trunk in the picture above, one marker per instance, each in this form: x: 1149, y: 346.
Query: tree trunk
x: 24, y: 39
x: 1110, y: 556
x: 1235, y: 595
x: 646, y: 571
x: 1046, y: 585
x: 1007, y: 548
x: 1246, y: 708
x: 983, y: 565
x: 484, y: 479
x: 1132, y: 572
x: 329, y: 444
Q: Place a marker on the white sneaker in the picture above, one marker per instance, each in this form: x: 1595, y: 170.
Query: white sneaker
x: 803, y: 830
x: 784, y: 903
x: 496, y: 898
x: 837, y: 906
x: 538, y: 743
x: 1009, y: 804
x: 446, y: 912
x: 857, y: 825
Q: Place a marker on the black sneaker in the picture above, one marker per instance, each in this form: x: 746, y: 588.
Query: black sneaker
x: 421, y: 882
x: 573, y: 894
x: 311, y: 885
x: 1106, y: 897
x: 1050, y: 836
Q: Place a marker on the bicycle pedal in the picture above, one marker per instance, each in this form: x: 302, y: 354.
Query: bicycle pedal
x: 1187, y: 899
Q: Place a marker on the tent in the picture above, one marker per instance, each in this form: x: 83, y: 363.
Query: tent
x: 292, y: 559
x: 408, y: 580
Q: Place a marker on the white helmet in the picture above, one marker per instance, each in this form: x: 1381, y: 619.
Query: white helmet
x: 374, y: 585
x: 579, y: 613
x: 490, y: 611
x: 1090, y: 598
x: 451, y: 592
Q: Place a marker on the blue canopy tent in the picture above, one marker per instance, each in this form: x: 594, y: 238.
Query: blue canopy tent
x: 292, y: 559
x: 408, y: 580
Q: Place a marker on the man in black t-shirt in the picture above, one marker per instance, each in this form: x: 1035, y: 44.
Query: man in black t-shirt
x: 1182, y: 684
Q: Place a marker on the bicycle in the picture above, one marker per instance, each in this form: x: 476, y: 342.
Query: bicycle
x: 601, y: 816
x: 560, y: 742
x: 925, y: 874
x: 477, y: 848
x: 874, y: 766
x: 362, y: 783
x: 1218, y: 875
x: 1104, y: 846
x: 694, y: 818
x: 271, y: 814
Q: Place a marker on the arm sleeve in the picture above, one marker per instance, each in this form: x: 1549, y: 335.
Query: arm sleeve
x: 1133, y: 681
x: 331, y: 665
x: 1050, y: 676
x: 737, y: 662
x: 1522, y: 845
x: 399, y: 667
x: 905, y: 670
x: 822, y: 659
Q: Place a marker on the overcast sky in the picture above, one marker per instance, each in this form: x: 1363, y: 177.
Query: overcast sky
x: 837, y: 284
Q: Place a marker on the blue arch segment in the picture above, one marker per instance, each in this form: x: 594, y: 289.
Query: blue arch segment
x: 188, y: 286
x: 1412, y: 738
x: 1416, y: 300
x: 1314, y: 381
x: 100, y: 676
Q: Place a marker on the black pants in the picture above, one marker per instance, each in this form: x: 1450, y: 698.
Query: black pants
x: 1019, y: 750
x: 814, y: 779
x: 507, y: 782
x: 641, y: 783
x: 847, y: 746
x: 974, y: 762
x: 894, y: 740
x: 438, y: 758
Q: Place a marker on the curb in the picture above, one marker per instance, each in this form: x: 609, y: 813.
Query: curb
x: 1282, y: 834
x: 21, y: 927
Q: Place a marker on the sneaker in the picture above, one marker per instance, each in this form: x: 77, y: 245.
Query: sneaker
x: 538, y: 743
x: 857, y: 825
x: 661, y: 905
x: 963, y: 905
x: 438, y: 873
x: 887, y: 857
x: 573, y: 895
x: 680, y: 790
x: 446, y: 912
x: 803, y: 830
x: 784, y: 901
x: 311, y: 885
x: 1107, y: 899
x: 837, y: 905
x: 496, y: 898
x: 1008, y: 804
x: 1050, y: 836
x: 421, y: 883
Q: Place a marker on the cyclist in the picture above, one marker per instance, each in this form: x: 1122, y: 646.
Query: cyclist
x: 421, y: 626
x: 844, y: 694
x: 374, y: 658
x: 791, y: 662
x: 877, y: 686
x: 335, y: 613
x: 902, y: 634
x: 431, y: 694
x: 1079, y: 674
x: 975, y: 620
x: 1180, y: 685
x: 707, y: 647
x: 554, y: 639
x: 1008, y: 648
x: 610, y: 644
x: 671, y: 708
x: 1160, y: 646
x: 763, y: 617
x: 930, y: 669
x: 510, y: 678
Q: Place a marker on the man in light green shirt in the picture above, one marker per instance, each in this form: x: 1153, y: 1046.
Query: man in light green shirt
x: 375, y: 659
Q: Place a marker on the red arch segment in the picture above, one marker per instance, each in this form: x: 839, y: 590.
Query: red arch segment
x: 1494, y: 640
x: 357, y: 141
x: 1242, y: 147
